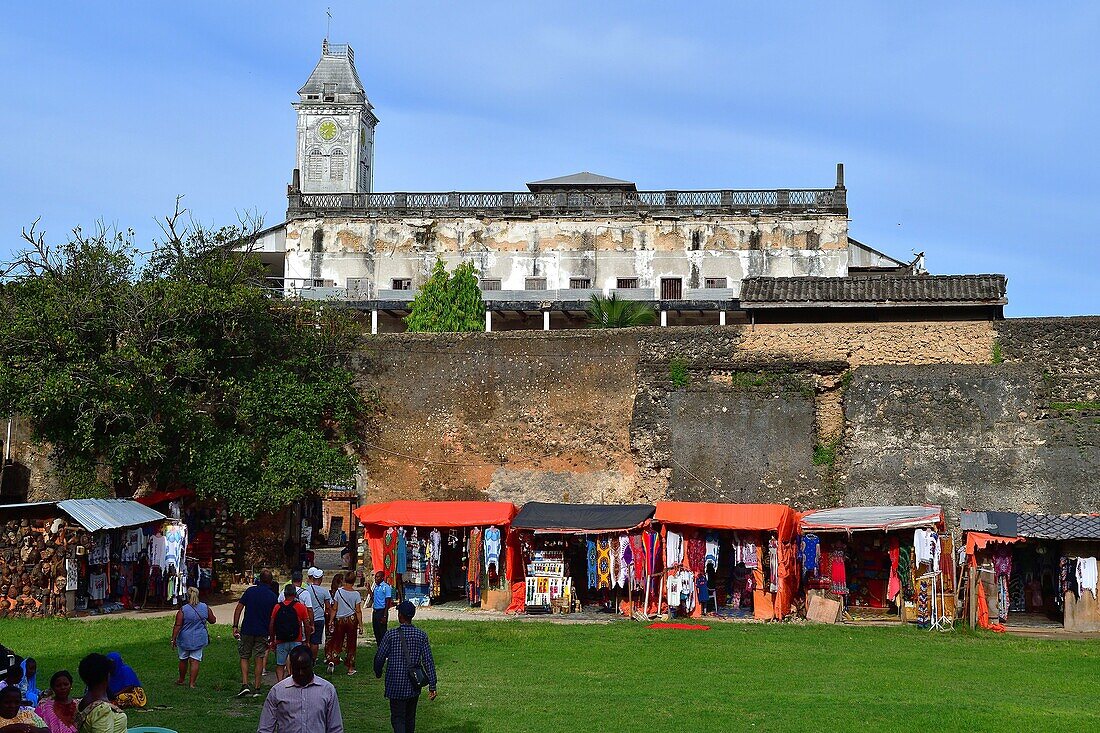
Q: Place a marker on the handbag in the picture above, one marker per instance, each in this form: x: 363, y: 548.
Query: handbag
x: 417, y: 676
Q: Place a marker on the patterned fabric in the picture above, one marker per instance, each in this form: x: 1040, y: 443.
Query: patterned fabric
x: 591, y: 564
x: 905, y: 571
x: 837, y: 572
x: 473, y: 568
x: 696, y: 552
x: 637, y: 550
x: 132, y: 698
x: 893, y: 587
x: 101, y: 717
x: 59, y: 718
x: 622, y: 577
x: 809, y: 555
x: 603, y: 562
x: 773, y: 565
x: 924, y: 606
x: 389, y: 555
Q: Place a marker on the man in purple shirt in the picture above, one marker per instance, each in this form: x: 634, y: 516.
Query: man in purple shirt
x: 303, y: 702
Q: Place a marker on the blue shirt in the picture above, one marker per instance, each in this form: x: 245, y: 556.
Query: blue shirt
x: 401, y: 648
x: 258, y: 602
x: 193, y: 634
x: 381, y: 593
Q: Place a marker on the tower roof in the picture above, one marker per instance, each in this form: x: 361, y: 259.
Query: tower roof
x: 336, y: 69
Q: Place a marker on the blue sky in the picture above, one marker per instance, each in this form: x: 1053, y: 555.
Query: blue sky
x: 968, y: 130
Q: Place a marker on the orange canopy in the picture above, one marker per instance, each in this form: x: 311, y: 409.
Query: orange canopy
x: 746, y: 517
x: 978, y: 540
x: 438, y: 514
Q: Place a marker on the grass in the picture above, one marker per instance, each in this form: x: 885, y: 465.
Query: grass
x: 678, y: 372
x: 825, y: 453
x: 1082, y: 406
x: 548, y: 677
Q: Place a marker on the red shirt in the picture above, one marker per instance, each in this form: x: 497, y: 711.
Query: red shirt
x: 304, y: 616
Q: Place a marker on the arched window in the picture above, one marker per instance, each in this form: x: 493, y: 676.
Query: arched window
x: 315, y: 164
x: 336, y: 164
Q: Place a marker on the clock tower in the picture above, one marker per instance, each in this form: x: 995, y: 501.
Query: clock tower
x: 335, y: 126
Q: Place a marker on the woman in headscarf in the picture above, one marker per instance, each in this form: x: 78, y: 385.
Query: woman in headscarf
x: 96, y: 713
x: 29, y: 683
x: 123, y: 686
x: 59, y: 711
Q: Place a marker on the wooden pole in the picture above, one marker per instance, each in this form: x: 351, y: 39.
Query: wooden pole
x: 972, y: 593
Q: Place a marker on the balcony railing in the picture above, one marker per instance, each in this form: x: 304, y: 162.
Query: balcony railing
x: 572, y: 203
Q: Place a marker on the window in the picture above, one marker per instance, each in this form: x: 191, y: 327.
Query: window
x: 813, y: 240
x: 315, y: 163
x: 715, y: 282
x: 487, y: 284
x: 580, y: 283
x: 402, y: 283
x: 626, y: 283
x: 672, y: 288
x: 313, y: 96
x: 337, y: 162
x: 330, y: 92
x: 696, y: 239
x: 535, y: 283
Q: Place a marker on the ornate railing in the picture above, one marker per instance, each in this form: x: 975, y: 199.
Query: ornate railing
x: 573, y: 203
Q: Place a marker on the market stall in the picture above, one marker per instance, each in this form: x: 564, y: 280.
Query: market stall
x: 880, y: 562
x: 97, y: 555
x: 213, y: 562
x: 585, y: 554
x: 730, y: 560
x: 1030, y: 569
x: 432, y: 551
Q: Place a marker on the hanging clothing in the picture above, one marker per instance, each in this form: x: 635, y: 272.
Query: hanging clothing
x: 926, y: 543
x: 837, y: 572
x: 156, y: 550
x: 673, y: 584
x: 591, y: 545
x: 637, y: 550
x: 492, y: 550
x: 710, y: 559
x: 402, y: 553
x: 773, y: 565
x: 905, y: 571
x: 603, y: 562
x: 809, y: 555
x: 696, y: 552
x: 893, y: 586
x: 746, y: 551
x: 1086, y: 574
x: 389, y: 555
x: 622, y: 577
x: 473, y: 567
x: 674, y: 549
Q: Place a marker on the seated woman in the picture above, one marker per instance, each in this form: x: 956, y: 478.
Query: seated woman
x: 96, y: 713
x: 59, y: 710
x: 124, y: 687
x: 14, y: 718
x: 29, y: 684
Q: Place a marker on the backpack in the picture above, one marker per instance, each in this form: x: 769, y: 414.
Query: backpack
x: 288, y: 627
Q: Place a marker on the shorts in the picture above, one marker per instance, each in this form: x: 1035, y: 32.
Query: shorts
x: 282, y: 651
x: 195, y: 654
x: 318, y: 632
x: 252, y: 647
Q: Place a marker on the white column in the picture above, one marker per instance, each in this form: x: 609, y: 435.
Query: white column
x: 546, y: 320
x: 664, y: 318
x: 488, y: 320
x: 721, y: 318
x: 374, y: 321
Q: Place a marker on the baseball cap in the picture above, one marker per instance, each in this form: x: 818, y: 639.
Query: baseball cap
x: 315, y: 572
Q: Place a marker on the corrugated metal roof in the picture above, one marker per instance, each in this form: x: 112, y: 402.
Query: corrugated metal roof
x: 855, y: 518
x: 792, y: 292
x: 97, y: 514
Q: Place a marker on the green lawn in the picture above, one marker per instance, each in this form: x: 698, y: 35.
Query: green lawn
x: 510, y: 676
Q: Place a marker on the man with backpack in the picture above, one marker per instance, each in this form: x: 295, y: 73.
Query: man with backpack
x: 291, y: 625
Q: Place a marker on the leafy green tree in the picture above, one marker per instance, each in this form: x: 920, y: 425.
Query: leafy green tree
x: 175, y: 368
x: 448, y: 302
x: 610, y: 312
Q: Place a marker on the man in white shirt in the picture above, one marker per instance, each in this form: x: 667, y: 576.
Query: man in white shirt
x: 321, y: 601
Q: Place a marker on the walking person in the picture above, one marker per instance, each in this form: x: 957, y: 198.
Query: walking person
x: 407, y: 656
x: 302, y: 702
x: 322, y: 607
x: 291, y: 624
x: 347, y: 624
x: 257, y: 603
x: 382, y: 596
x: 190, y: 635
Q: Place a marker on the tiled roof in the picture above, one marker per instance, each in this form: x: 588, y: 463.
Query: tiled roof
x: 336, y: 66
x: 793, y: 292
x: 1059, y: 526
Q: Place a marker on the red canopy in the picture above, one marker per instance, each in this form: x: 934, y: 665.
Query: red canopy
x: 438, y: 514
x: 746, y: 517
x: 159, y: 497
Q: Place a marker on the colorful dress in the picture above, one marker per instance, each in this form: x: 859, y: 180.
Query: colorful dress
x: 473, y: 569
x: 25, y: 716
x: 101, y: 717
x: 58, y: 718
x: 389, y: 555
x: 591, y: 545
x: 603, y: 562
x: 837, y: 572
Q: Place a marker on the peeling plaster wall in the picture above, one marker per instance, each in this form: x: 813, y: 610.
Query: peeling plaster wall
x: 558, y: 249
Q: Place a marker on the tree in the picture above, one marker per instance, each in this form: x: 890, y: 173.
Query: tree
x: 175, y: 368
x: 448, y: 303
x: 610, y: 312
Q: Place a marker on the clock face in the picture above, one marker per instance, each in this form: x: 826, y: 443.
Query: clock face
x: 327, y: 130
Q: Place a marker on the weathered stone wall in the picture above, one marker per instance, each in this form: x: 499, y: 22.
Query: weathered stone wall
x: 560, y: 249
